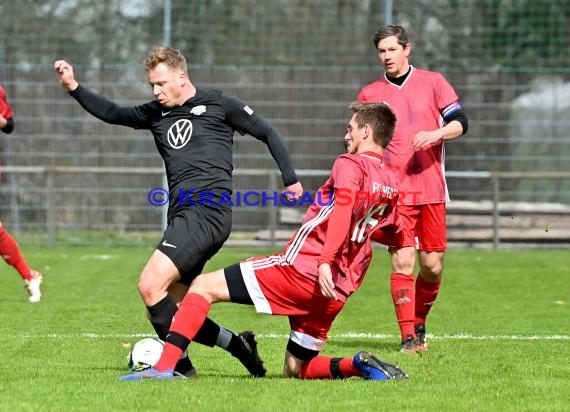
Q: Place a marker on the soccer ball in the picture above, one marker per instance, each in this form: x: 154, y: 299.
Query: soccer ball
x: 144, y: 354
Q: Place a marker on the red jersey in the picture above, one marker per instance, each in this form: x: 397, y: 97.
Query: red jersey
x: 418, y: 104
x: 5, y: 109
x: 356, y: 200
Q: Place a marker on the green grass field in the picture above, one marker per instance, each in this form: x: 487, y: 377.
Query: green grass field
x: 499, y: 340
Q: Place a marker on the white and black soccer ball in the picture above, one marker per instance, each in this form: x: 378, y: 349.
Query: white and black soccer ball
x: 144, y: 354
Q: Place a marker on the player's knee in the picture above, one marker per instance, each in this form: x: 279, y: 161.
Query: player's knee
x: 297, y: 359
x: 198, y: 285
x: 431, y: 266
x: 150, y: 291
x: 289, y: 372
x: 202, y: 287
x: 431, y: 272
x: 145, y: 291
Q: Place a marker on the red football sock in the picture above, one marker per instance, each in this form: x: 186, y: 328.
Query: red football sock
x: 402, y: 288
x: 426, y: 293
x: 169, y: 358
x: 188, y: 320
x: 347, y: 368
x: 12, y: 255
x: 320, y: 368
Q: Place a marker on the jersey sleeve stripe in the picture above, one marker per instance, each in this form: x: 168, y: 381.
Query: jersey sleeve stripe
x: 305, y: 230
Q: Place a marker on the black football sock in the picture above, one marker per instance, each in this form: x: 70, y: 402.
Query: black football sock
x: 211, y: 334
x: 184, y: 366
x: 208, y: 333
x: 161, y: 315
x: 222, y: 338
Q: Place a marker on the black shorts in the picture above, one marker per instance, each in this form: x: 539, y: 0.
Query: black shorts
x: 193, y: 235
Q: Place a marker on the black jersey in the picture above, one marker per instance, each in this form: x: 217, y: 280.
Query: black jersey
x: 195, y: 139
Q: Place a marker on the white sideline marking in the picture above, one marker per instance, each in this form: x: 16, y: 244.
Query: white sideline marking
x: 100, y: 257
x: 461, y: 336
x: 371, y: 336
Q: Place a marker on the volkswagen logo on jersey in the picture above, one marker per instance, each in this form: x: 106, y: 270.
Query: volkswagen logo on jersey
x: 180, y: 133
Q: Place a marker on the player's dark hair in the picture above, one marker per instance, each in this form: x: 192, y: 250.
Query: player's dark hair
x: 170, y: 57
x: 391, y: 30
x: 379, y: 117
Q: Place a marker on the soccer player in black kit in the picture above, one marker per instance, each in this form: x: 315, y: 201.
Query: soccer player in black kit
x: 193, y: 131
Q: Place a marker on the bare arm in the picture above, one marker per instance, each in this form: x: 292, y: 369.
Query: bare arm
x: 450, y: 131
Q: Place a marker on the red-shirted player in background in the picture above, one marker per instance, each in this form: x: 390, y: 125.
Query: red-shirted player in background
x: 428, y: 113
x: 8, y: 247
x: 322, y: 265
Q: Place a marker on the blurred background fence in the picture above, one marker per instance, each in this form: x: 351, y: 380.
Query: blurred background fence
x: 299, y: 64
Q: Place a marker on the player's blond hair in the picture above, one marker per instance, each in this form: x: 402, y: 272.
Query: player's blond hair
x: 172, y: 58
x: 379, y: 117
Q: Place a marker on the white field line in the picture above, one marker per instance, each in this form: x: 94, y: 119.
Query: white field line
x: 371, y: 336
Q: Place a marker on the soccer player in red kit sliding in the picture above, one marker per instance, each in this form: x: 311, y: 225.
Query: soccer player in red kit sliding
x: 429, y: 114
x: 322, y: 265
x: 9, y: 249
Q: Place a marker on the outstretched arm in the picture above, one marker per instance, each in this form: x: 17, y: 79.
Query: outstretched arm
x: 278, y: 149
x: 245, y: 120
x: 263, y: 131
x: 95, y: 104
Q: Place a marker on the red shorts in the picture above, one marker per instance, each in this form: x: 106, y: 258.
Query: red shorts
x: 423, y: 227
x: 278, y: 289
